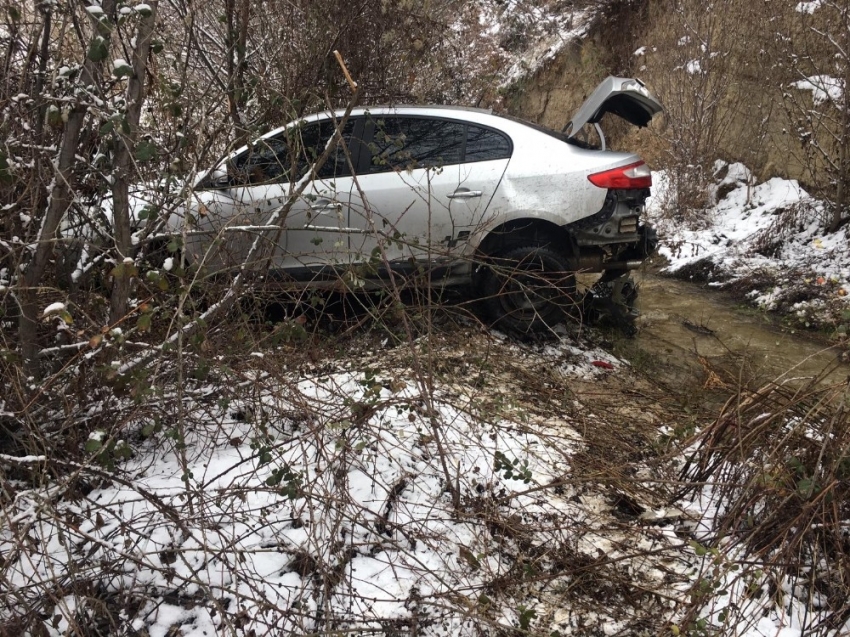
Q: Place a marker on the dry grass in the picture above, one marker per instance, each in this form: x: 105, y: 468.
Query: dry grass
x: 776, y: 462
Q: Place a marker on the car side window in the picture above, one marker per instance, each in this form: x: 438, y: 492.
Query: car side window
x: 289, y: 155
x: 266, y: 160
x: 484, y: 144
x: 405, y: 143
x: 337, y: 164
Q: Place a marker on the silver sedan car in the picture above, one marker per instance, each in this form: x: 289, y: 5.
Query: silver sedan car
x: 434, y: 195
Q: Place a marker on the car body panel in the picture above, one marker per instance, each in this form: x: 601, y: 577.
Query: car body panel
x: 423, y: 211
x: 627, y: 97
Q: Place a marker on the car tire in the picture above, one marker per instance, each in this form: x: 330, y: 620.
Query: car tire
x: 527, y: 288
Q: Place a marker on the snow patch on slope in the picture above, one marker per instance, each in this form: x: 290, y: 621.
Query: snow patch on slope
x: 774, y: 228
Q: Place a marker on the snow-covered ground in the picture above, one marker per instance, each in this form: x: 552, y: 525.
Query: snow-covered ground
x: 769, y: 237
x: 433, y: 488
x: 320, y: 500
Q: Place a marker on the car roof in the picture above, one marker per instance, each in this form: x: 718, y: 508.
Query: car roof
x: 466, y: 113
x: 413, y: 109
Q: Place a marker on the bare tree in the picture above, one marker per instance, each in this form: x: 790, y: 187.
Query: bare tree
x: 693, y: 72
x: 238, y: 19
x: 63, y: 186
x: 124, y: 153
x: 816, y: 59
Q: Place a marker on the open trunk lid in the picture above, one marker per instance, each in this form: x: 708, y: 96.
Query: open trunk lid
x: 627, y: 97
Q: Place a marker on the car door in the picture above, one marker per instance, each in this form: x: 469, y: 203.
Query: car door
x: 421, y: 198
x: 242, y: 209
x: 317, y: 226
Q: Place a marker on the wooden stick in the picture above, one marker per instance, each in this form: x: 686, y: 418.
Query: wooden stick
x: 345, y: 72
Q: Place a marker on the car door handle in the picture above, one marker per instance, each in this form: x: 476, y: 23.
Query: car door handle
x: 324, y: 205
x: 463, y: 193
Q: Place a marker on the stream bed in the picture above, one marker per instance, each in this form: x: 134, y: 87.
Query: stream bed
x: 690, y: 329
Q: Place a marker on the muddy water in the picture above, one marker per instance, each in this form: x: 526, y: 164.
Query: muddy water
x: 690, y: 331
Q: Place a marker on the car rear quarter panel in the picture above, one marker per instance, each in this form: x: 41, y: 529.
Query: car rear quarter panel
x: 547, y: 178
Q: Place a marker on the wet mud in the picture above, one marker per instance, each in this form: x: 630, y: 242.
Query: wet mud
x: 691, y: 333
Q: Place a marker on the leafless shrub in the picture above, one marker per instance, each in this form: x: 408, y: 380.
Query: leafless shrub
x: 302, y: 491
x: 696, y: 63
x: 814, y: 71
x: 790, y: 221
x: 775, y: 465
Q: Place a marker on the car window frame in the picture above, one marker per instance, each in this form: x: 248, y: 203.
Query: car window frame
x: 356, y: 148
x: 365, y: 164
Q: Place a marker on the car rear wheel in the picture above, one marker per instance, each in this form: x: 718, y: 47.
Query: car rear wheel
x: 527, y: 288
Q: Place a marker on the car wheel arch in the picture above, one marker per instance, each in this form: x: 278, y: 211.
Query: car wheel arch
x: 523, y: 231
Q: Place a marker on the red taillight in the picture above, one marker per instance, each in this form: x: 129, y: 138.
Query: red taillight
x: 635, y: 175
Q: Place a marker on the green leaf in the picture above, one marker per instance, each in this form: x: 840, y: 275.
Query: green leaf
x: 144, y: 322
x: 145, y: 151
x: 806, y: 487
x: 148, y: 431
x: 54, y: 116
x: 469, y: 558
x: 122, y: 70
x: 93, y: 445
x: 122, y: 451
x: 127, y: 270
x: 698, y: 548
x: 144, y: 10
x: 265, y: 456
x: 525, y: 617
x: 156, y: 46
x: 98, y: 51
x: 107, y: 127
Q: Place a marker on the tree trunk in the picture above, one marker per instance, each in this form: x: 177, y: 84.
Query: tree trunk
x: 126, y: 146
x: 841, y: 195
x: 236, y: 42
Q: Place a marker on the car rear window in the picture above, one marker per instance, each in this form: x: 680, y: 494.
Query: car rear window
x: 484, y: 144
x: 547, y: 131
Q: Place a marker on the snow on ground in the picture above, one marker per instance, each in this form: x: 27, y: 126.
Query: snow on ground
x: 738, y: 607
x: 770, y: 235
x: 823, y: 88
x: 394, y: 493
x: 808, y: 7
x: 322, y: 500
